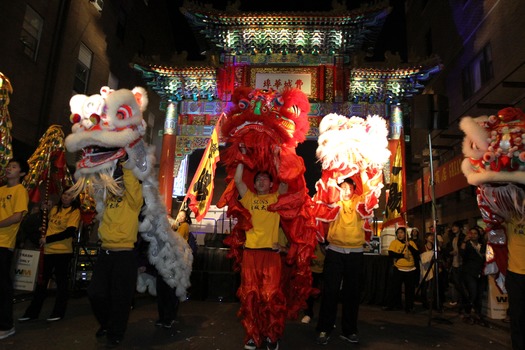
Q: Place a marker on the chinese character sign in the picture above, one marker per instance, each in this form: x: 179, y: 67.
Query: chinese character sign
x: 280, y: 81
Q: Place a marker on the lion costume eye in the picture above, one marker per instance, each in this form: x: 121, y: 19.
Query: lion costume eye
x: 124, y: 112
x: 278, y: 100
x: 94, y: 119
x: 243, y: 104
x: 75, y: 118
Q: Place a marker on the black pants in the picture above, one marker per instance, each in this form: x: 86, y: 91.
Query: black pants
x: 474, y: 288
x: 346, y: 268
x: 6, y: 289
x: 59, y: 264
x: 111, y: 290
x: 515, y: 284
x: 400, y: 278
x: 167, y: 301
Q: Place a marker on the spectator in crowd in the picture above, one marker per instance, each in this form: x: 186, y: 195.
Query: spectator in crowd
x: 167, y: 300
x: 427, y: 261
x: 13, y: 207
x: 472, y: 251
x: 405, y: 255
x: 62, y: 227
x: 451, y: 251
x: 415, y: 237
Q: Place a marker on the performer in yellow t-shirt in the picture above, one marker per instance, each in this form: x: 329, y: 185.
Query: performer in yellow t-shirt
x: 114, y: 278
x: 515, y: 282
x: 343, y: 264
x: 64, y: 220
x: 261, y: 268
x: 13, y: 206
x: 405, y: 255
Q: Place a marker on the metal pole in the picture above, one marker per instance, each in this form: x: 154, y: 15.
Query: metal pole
x: 434, y: 223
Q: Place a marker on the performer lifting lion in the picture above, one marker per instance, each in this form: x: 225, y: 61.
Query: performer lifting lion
x: 116, y: 169
x: 262, y: 130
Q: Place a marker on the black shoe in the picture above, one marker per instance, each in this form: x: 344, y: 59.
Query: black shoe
x: 168, y: 324
x: 159, y: 323
x: 112, y: 343
x: 352, y: 338
x: 322, y: 338
x: 250, y: 345
x: 26, y: 319
x: 101, y: 332
x: 54, y: 318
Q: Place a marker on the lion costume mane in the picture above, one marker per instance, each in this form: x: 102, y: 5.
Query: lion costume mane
x: 107, y: 127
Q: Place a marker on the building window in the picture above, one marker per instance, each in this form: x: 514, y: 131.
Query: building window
x: 31, y: 32
x: 85, y: 57
x: 477, y: 73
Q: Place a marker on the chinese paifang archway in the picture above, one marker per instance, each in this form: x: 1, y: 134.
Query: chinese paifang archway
x: 319, y: 52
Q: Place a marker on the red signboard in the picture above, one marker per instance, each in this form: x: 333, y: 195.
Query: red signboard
x: 448, y: 178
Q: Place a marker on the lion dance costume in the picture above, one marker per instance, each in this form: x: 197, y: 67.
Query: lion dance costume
x: 106, y: 127
x: 494, y: 150
x: 353, y: 148
x: 270, y: 124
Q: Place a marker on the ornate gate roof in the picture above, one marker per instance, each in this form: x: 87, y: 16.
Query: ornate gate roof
x: 340, y: 31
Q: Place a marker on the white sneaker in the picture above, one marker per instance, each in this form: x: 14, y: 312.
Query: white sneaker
x: 306, y: 319
x: 250, y: 345
x: 7, y: 333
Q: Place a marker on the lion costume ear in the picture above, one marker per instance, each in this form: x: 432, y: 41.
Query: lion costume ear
x: 76, y: 103
x: 141, y: 96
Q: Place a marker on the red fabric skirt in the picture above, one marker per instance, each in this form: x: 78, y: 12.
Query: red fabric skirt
x: 263, y: 305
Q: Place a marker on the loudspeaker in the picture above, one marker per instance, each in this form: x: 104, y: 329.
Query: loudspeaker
x: 430, y: 112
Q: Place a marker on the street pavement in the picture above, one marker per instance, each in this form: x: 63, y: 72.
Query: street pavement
x: 213, y: 325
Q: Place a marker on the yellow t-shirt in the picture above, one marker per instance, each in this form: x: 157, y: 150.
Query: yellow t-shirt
x: 12, y: 200
x: 346, y: 230
x: 59, y: 221
x: 120, y: 222
x: 405, y: 263
x: 516, y: 245
x: 184, y: 230
x: 265, y: 230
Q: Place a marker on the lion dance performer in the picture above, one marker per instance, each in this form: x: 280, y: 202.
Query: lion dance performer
x: 352, y: 152
x: 262, y: 130
x: 494, y: 150
x: 116, y: 169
